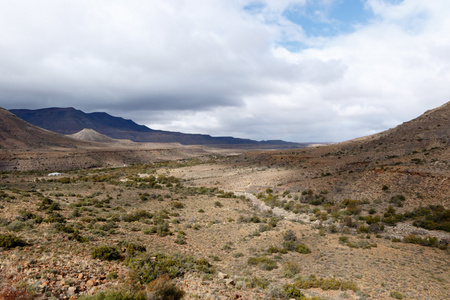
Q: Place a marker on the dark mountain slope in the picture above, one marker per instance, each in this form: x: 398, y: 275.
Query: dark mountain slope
x: 15, y: 133
x: 70, y: 120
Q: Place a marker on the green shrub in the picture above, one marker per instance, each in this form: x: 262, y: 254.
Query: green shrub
x: 397, y: 200
x: 289, y: 235
x: 149, y: 230
x: 181, y: 239
x: 396, y: 295
x: 133, y: 248
x: 264, y: 227
x: 16, y: 226
x: 363, y: 229
x: 292, y: 292
x: 76, y: 236
x: 11, y: 241
x: 433, y: 217
x: 255, y: 219
x: 177, y: 204
x: 163, y: 288
x: 26, y: 215
x: 303, y: 249
x: 352, y: 206
x: 149, y: 266
x: 273, y: 249
x: 426, y: 241
x: 272, y: 222
x: 290, y: 269
x: 106, y: 253
x: 343, y: 239
x: 254, y: 282
x: 48, y: 205
x: 163, y: 229
x: 290, y: 245
x: 137, y: 216
x: 324, y: 283
x: 55, y: 218
x: 264, y: 263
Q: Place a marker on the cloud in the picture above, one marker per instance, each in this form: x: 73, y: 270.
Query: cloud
x: 240, y: 68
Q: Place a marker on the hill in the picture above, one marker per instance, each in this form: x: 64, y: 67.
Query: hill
x: 412, y: 159
x: 70, y: 121
x: 431, y: 130
x: 93, y: 136
x: 15, y: 133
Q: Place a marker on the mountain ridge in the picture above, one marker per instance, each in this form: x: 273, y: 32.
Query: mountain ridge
x: 70, y: 121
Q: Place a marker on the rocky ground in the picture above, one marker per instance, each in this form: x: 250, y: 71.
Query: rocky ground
x: 228, y: 226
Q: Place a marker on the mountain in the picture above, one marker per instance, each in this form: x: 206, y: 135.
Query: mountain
x: 69, y: 121
x: 15, y: 133
x: 27, y: 147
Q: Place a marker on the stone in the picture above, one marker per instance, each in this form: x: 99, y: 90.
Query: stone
x: 80, y: 276
x: 92, y: 291
x: 90, y: 282
x: 229, y: 281
x: 222, y: 275
x: 71, y: 290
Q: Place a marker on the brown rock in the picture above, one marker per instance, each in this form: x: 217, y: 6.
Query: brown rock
x: 80, y: 276
x: 91, y: 282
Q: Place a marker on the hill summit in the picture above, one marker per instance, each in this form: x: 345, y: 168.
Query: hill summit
x: 92, y: 136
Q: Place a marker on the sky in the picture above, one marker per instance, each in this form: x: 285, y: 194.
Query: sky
x: 295, y: 70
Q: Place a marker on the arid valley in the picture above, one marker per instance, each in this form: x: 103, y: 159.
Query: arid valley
x: 363, y: 219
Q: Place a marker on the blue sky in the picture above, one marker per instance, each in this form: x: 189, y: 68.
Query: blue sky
x: 328, y: 19
x: 297, y: 70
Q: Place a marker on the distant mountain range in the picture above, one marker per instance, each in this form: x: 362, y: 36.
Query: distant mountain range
x: 70, y: 121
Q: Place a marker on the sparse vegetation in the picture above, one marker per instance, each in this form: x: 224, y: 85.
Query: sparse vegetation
x: 11, y: 241
x: 264, y: 263
x: 323, y: 283
x: 106, y: 253
x: 133, y: 220
x: 149, y: 266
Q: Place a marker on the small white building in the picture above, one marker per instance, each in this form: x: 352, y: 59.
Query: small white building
x: 55, y: 174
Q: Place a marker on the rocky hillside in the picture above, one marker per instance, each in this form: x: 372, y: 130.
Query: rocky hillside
x: 412, y: 159
x: 429, y: 131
